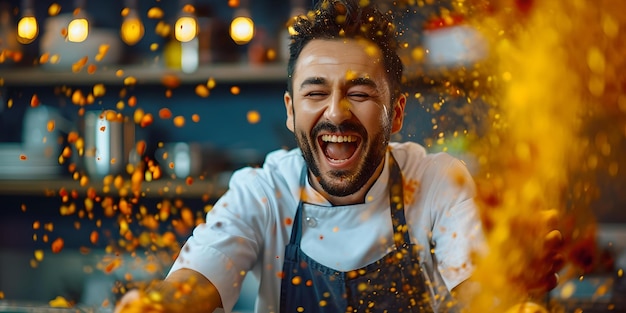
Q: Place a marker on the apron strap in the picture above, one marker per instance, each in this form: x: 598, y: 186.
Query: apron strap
x: 396, y: 204
x: 296, y: 234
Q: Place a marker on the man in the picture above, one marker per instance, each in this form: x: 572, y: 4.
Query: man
x: 348, y: 222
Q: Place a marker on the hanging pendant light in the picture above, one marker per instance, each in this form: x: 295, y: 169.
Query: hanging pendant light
x: 132, y: 29
x: 242, y: 25
x: 27, y: 27
x: 78, y: 28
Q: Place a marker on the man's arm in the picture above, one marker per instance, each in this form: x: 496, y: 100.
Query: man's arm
x: 184, y: 290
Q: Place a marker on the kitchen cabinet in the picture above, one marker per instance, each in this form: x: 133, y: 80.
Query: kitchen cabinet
x: 19, y: 84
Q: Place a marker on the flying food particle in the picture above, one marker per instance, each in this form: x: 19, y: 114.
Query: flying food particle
x: 211, y: 83
x: 77, y: 97
x: 132, y: 101
x: 124, y: 207
x: 195, y: 118
x: 155, y: 13
x: 91, y: 68
x: 130, y: 81
x: 165, y: 113
x: 163, y: 29
x: 296, y: 281
x: 103, y: 49
x: 235, y: 90
x: 78, y: 65
x: 418, y: 54
x: 140, y: 147
x: 34, y: 101
x: 38, y: 255
x: 202, y: 90
x: 57, y: 245
x: 118, y: 182
x: 170, y: 81
x: 50, y: 126
x: 44, y: 58
x: 253, y: 117
x: 99, y: 90
x: 146, y: 120
x: 179, y: 121
x: 54, y: 9
x: 59, y: 302
x: 93, y: 237
x: 62, y: 157
x: 138, y: 115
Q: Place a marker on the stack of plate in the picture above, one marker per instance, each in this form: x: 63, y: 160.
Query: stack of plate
x: 17, y: 162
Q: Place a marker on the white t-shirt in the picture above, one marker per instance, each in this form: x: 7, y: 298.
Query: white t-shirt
x: 249, y: 226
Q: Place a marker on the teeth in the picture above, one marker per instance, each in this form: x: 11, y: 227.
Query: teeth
x: 339, y: 139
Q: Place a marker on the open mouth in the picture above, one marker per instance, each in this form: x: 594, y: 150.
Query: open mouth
x: 339, y: 148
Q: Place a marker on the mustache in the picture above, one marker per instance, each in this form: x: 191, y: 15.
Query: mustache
x: 346, y: 126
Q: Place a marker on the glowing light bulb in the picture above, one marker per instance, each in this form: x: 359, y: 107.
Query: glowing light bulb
x: 186, y: 28
x: 132, y: 29
x: 78, y: 30
x: 242, y: 30
x: 27, y: 29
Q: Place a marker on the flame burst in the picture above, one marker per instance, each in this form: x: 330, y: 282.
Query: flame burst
x: 556, y: 66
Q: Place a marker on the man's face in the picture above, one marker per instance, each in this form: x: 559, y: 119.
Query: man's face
x: 340, y: 112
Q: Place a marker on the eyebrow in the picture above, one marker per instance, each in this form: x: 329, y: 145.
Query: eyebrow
x: 362, y: 81
x: 353, y: 82
x: 313, y: 81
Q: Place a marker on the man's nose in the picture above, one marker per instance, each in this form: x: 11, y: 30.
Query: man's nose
x: 338, y: 110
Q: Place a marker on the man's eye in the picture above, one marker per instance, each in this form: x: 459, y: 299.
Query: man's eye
x: 358, y: 96
x: 315, y: 94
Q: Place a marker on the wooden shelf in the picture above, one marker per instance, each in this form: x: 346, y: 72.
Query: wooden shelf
x: 160, y: 188
x: 145, y: 74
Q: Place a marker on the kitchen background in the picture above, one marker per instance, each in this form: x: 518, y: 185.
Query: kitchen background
x: 211, y: 105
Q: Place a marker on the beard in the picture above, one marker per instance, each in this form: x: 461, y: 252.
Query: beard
x: 341, y: 183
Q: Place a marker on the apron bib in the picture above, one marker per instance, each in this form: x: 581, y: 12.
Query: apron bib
x: 395, y: 283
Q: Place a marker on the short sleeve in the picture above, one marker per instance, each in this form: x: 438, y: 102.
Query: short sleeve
x: 457, y: 229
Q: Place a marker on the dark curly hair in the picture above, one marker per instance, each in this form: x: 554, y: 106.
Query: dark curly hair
x: 332, y: 19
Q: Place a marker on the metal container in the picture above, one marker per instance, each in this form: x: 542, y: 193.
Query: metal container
x: 109, y: 138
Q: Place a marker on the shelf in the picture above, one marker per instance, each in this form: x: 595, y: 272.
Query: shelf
x: 160, y: 188
x: 145, y: 74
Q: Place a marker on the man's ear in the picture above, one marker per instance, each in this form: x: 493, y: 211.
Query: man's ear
x: 289, y: 110
x: 398, y: 113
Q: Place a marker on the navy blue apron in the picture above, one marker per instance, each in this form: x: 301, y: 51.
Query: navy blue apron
x: 395, y: 283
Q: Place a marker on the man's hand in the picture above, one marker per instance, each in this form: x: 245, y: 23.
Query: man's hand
x: 184, y: 290
x: 550, y: 259
x: 136, y: 301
